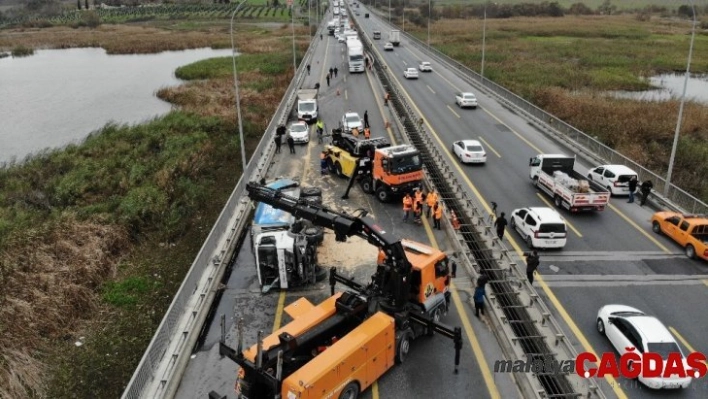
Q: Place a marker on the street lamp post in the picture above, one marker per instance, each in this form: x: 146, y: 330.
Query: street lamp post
x: 292, y: 24
x: 484, y: 40
x: 683, y: 100
x: 429, y: 23
x: 238, y: 99
x: 389, y: 11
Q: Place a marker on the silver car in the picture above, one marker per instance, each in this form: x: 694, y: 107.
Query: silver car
x: 465, y: 99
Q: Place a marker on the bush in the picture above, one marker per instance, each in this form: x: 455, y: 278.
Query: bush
x: 22, y: 51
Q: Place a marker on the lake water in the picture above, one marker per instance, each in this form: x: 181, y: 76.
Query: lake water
x: 57, y: 97
x: 670, y: 86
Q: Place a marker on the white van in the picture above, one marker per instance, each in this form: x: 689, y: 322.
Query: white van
x: 540, y: 227
x: 613, y: 177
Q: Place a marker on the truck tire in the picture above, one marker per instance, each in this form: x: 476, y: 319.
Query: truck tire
x: 321, y: 273
x: 383, y: 194
x: 306, y: 192
x: 535, y: 181
x: 403, y: 346
x: 330, y: 166
x: 558, y: 201
x: 367, y: 185
x: 437, y: 314
x: 351, y: 391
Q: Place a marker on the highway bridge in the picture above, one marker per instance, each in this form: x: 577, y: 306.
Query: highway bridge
x: 611, y: 256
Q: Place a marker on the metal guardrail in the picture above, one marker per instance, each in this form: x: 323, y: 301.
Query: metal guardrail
x: 526, y: 322
x: 166, y: 357
x: 677, y: 199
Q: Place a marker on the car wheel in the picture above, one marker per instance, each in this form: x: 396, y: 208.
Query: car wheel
x: 656, y: 227
x: 535, y: 181
x: 338, y: 169
x: 351, y: 391
x: 590, y: 176
x: 558, y: 201
x: 690, y: 251
x: 529, y: 241
x: 512, y: 223
x: 609, y: 188
x: 600, y: 326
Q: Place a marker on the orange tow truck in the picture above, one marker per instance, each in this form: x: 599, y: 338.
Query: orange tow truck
x: 381, y: 169
x: 338, y: 348
x: 689, y: 231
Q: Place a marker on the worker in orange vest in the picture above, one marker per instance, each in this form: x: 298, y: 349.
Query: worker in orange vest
x: 417, y: 211
x: 431, y: 200
x: 367, y: 133
x: 418, y: 195
x: 455, y: 222
x: 407, y: 204
x: 437, y: 215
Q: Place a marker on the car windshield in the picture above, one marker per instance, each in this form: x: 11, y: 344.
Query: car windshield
x: 299, y: 128
x: 307, y: 107
x: 405, y: 164
x: 468, y: 96
x: 552, y: 228
x: 663, y: 348
x: 353, y: 120
x: 475, y: 148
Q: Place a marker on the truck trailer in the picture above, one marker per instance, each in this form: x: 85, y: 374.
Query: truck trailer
x: 338, y: 348
x: 395, y: 37
x: 554, y: 174
x: 355, y: 51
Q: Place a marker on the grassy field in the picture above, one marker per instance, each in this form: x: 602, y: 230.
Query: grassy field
x: 96, y: 238
x: 565, y: 65
x: 593, y: 4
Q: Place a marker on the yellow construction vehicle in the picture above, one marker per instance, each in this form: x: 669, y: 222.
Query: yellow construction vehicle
x: 338, y: 348
x: 381, y: 169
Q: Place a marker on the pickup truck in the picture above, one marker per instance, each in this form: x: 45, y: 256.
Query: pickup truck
x: 554, y: 174
x: 689, y: 231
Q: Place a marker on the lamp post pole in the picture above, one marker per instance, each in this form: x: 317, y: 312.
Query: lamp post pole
x: 683, y: 100
x: 292, y: 24
x: 238, y: 99
x: 484, y: 40
x: 389, y: 11
x: 429, y: 23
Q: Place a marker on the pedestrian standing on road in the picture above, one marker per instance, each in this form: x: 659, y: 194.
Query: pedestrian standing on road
x: 437, y: 215
x: 323, y: 162
x: 479, y: 301
x: 278, y: 142
x: 335, y: 71
x: 407, y: 204
x: 500, y: 225
x: 308, y: 69
x: 327, y: 80
x: 367, y: 133
x: 431, y: 200
x: 291, y: 144
x: 366, y: 118
x: 632, y: 185
x: 532, y: 262
x: 321, y: 36
x: 646, y: 190
x: 331, y: 72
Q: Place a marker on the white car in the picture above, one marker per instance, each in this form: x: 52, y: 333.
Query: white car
x: 465, y: 99
x: 540, y: 227
x: 410, y: 73
x: 627, y: 327
x: 352, y: 120
x: 300, y: 132
x: 341, y: 38
x: 469, y: 151
x: 613, y: 177
x: 425, y: 66
x: 388, y: 47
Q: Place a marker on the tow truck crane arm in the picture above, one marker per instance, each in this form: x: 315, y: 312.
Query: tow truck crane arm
x: 397, y: 271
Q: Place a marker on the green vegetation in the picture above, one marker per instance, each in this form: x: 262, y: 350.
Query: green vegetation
x: 96, y: 238
x: 566, y: 65
x: 21, y: 51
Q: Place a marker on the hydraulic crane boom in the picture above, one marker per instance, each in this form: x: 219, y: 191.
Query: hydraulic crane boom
x: 394, y: 279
